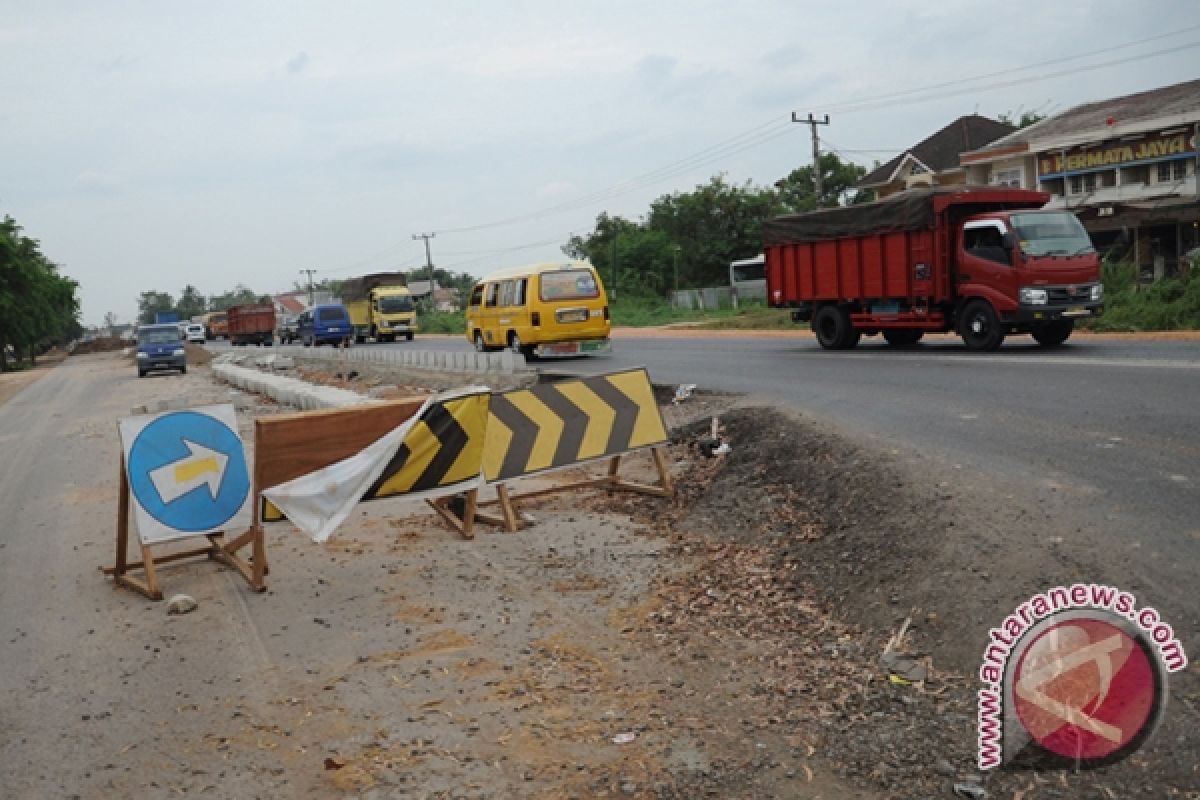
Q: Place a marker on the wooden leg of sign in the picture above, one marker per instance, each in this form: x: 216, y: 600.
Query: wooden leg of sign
x: 256, y: 570
x: 120, y: 565
x: 664, y: 472
x: 464, y: 524
x: 613, y: 467
x: 507, y: 508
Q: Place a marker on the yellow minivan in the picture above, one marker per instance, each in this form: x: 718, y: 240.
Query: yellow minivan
x: 553, y: 309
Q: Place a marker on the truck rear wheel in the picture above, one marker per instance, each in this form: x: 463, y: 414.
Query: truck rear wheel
x: 1052, y: 334
x: 833, y: 329
x: 979, y: 327
x: 902, y: 337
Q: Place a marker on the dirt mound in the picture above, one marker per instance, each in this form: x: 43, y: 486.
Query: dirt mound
x: 814, y: 554
x: 101, y: 344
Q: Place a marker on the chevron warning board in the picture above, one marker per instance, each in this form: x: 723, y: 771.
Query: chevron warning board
x: 443, y: 449
x: 561, y: 424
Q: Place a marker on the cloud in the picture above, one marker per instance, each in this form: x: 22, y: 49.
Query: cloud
x: 555, y: 189
x: 297, y: 63
x: 97, y: 182
x: 783, y: 57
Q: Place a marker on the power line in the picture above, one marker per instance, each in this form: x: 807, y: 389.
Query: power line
x: 777, y: 128
x: 1049, y: 62
x: 897, y: 99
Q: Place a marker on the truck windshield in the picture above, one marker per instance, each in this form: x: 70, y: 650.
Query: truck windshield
x: 395, y: 304
x: 569, y: 284
x: 1051, y: 234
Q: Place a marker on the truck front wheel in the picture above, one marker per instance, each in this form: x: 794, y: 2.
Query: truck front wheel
x: 833, y: 329
x: 1052, y: 334
x: 979, y: 327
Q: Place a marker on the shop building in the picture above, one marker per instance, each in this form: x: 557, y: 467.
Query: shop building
x: 1126, y: 166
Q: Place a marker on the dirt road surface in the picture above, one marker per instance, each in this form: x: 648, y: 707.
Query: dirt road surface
x: 723, y: 644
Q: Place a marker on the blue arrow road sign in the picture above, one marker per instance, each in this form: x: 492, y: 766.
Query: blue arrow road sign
x: 187, y: 470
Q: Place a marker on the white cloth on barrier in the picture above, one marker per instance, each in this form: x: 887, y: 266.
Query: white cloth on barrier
x: 317, y: 503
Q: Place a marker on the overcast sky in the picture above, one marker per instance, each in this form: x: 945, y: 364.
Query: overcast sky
x: 149, y: 145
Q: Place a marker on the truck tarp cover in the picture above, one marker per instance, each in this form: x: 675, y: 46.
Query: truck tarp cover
x: 357, y: 288
x: 905, y: 211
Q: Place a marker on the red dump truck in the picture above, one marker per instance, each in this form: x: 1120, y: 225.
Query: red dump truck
x: 982, y: 261
x: 252, y: 323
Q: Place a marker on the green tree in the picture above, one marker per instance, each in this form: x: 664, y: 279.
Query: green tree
x: 796, y: 193
x: 150, y: 304
x: 1026, y: 118
x: 191, y: 303
x: 38, y: 306
x: 239, y: 295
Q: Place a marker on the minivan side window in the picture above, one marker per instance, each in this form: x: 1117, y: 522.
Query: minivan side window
x: 506, y: 293
x: 492, y: 294
x: 519, y: 293
x: 476, y: 296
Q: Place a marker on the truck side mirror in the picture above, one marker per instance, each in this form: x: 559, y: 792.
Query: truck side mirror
x: 1006, y: 240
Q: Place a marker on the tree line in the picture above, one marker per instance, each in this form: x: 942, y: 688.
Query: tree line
x: 192, y: 303
x: 686, y: 240
x: 39, y: 306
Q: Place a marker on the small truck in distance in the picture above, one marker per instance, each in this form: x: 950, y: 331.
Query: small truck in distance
x: 981, y: 261
x: 381, y: 307
x: 251, y: 323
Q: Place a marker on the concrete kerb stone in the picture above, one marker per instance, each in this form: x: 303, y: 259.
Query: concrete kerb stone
x: 288, y: 391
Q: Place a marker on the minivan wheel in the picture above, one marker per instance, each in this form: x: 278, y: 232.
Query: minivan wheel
x: 480, y: 347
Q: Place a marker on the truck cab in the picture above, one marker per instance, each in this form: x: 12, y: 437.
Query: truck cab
x: 393, y: 313
x: 1036, y: 270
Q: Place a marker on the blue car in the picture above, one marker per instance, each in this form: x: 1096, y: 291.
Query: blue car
x: 325, y: 324
x: 160, y: 347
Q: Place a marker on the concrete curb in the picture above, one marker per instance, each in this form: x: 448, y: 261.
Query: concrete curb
x: 284, y: 390
x: 504, y: 362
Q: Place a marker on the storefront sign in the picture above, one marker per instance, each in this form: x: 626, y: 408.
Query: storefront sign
x: 1154, y: 147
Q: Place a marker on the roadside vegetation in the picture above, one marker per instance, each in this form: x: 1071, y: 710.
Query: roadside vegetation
x: 1166, y: 305
x: 39, y: 307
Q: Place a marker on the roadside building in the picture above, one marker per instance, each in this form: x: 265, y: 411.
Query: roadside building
x: 934, y: 161
x: 1123, y: 164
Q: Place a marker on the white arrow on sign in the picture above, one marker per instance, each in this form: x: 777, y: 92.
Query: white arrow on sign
x: 202, y: 466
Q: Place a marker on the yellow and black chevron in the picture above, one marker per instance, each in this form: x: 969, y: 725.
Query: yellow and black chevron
x: 444, y: 448
x: 559, y: 424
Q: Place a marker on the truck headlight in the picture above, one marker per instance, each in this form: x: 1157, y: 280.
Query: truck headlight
x: 178, y: 351
x: 1032, y: 297
x: 1097, y: 293
x: 143, y: 355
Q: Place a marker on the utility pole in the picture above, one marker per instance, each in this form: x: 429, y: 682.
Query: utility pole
x: 428, y: 261
x: 309, y: 273
x: 812, y: 122
x: 676, y: 248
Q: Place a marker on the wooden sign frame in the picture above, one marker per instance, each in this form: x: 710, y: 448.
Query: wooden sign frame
x: 611, y: 482
x: 226, y: 553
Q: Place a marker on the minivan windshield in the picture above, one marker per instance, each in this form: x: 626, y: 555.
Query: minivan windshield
x: 1051, y: 234
x: 158, y: 335
x: 569, y: 284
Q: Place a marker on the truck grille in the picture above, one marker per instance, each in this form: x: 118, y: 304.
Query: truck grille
x: 1061, y: 295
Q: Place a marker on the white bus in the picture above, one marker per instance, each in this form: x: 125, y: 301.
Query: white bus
x: 748, y: 278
